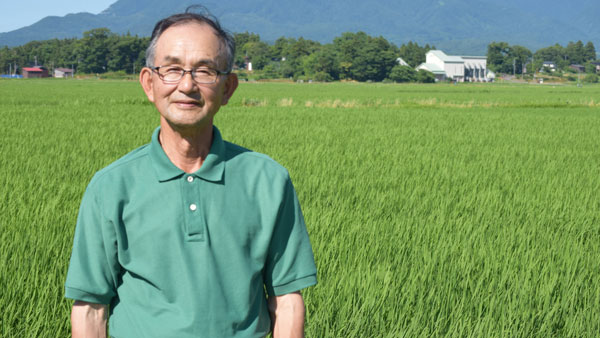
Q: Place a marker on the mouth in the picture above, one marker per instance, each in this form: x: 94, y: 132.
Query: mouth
x: 187, y: 104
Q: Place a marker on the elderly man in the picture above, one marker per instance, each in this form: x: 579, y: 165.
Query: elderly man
x: 189, y: 235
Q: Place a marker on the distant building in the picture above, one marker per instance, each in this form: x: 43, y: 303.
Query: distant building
x: 476, y: 69
x: 578, y: 68
x: 456, y: 68
x: 551, y: 66
x: 63, y: 72
x: 35, y: 72
x: 247, y: 64
x: 597, y: 65
x: 401, y: 62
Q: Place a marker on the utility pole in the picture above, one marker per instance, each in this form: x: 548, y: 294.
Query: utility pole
x: 514, y: 67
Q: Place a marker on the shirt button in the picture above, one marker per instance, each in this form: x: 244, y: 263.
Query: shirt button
x: 190, y: 179
x: 193, y: 207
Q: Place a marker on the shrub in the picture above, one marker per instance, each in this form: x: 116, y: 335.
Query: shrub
x: 268, y: 72
x: 322, y: 77
x: 403, y: 74
x: 591, y: 78
x: 425, y: 76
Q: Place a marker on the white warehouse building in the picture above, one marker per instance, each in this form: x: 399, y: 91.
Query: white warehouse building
x: 457, y: 68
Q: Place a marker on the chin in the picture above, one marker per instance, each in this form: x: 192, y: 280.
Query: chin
x: 180, y: 122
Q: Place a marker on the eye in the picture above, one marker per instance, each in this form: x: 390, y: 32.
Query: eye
x: 172, y: 70
x: 204, y: 71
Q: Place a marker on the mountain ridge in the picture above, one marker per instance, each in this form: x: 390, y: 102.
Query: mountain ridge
x: 457, y: 26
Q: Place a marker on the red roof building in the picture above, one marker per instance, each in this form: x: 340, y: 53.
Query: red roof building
x: 34, y: 72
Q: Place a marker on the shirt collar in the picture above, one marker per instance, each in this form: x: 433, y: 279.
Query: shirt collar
x: 212, y: 169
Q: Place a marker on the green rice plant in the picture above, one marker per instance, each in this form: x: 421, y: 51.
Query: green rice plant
x: 433, y: 210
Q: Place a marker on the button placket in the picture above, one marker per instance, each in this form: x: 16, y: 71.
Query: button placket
x: 193, y: 217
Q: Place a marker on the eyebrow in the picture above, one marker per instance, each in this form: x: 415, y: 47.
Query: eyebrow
x: 202, y: 62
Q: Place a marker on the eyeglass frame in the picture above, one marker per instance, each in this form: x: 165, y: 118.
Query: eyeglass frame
x: 191, y: 71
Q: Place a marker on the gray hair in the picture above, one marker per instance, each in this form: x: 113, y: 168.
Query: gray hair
x: 204, y: 17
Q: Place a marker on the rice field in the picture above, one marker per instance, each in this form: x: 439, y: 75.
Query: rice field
x: 468, y: 210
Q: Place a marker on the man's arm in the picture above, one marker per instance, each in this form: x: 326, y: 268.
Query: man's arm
x: 88, y: 320
x: 287, y: 315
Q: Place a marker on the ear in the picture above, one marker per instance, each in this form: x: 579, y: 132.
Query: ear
x: 146, y: 82
x: 231, y: 85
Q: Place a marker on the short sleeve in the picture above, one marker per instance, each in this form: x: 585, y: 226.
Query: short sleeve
x: 290, y: 262
x: 93, y: 268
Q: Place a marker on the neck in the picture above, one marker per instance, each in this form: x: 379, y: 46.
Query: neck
x: 187, y: 148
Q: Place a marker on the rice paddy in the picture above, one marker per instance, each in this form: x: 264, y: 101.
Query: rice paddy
x: 467, y: 210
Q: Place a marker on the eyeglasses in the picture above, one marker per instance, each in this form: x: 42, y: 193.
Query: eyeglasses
x: 174, y: 74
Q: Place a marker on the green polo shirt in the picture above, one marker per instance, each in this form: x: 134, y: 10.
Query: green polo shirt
x: 189, y: 255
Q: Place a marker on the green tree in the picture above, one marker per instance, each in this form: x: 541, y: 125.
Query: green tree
x: 323, y: 77
x: 295, y: 54
x: 590, y: 68
x: 575, y: 53
x: 93, y: 50
x: 257, y: 53
x: 362, y: 57
x: 413, y: 54
x: 519, y: 56
x: 497, y: 56
x: 425, y: 76
x: 403, y: 74
x: 591, y: 78
x: 122, y: 54
x: 322, y: 61
x: 269, y: 72
x: 280, y: 49
x: 5, y: 60
x: 241, y: 39
x: 503, y: 58
x: 590, y: 51
x: 554, y: 54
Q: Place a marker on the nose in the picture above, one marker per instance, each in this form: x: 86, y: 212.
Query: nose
x: 187, y: 83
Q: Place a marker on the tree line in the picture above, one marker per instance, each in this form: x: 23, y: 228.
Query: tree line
x: 98, y: 51
x: 504, y: 58
x: 351, y: 56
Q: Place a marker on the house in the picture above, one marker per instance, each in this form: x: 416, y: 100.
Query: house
x: 35, y: 72
x: 63, y: 72
x: 597, y: 65
x: 578, y: 68
x: 401, y: 62
x: 548, y: 65
x: 456, y: 68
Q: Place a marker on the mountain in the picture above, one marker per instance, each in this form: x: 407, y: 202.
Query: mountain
x: 457, y: 26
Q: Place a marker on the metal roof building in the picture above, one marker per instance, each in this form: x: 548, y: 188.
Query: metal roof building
x: 456, y: 68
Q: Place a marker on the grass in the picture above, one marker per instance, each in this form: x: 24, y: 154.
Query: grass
x: 434, y: 210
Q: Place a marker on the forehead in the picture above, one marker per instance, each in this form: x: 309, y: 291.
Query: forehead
x: 188, y: 41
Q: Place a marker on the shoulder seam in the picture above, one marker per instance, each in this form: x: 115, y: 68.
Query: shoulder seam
x: 121, y: 162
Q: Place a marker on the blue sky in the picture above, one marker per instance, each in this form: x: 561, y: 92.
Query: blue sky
x: 21, y: 13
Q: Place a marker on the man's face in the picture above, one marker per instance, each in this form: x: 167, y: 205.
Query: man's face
x: 187, y: 104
